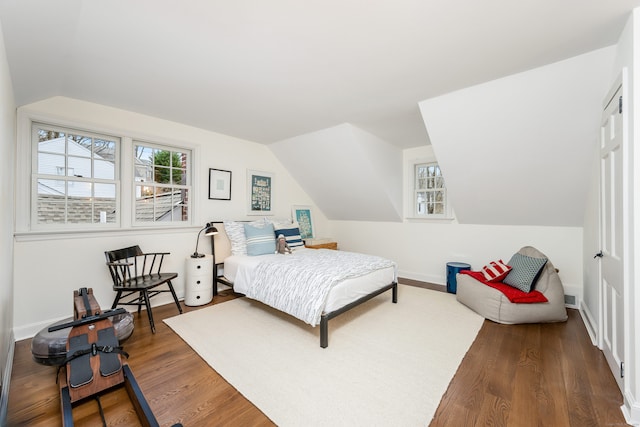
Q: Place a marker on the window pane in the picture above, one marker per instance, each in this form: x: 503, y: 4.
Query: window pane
x: 79, y: 189
x: 183, y: 206
x: 143, y: 172
x: 179, y: 160
x: 51, y: 204
x: 51, y: 164
x: 104, y: 209
x: 104, y: 163
x: 162, y: 175
x: 180, y: 177
x: 80, y: 210
x: 421, y: 205
x: 144, y: 204
x: 430, y: 182
x: 78, y: 145
x: 143, y: 164
x: 104, y: 150
x: 79, y: 167
x: 51, y: 141
x: 164, y: 204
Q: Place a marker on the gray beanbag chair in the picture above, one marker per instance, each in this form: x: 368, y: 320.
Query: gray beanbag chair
x: 494, y: 305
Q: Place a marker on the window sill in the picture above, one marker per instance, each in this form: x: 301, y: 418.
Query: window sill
x: 41, y: 235
x: 429, y: 219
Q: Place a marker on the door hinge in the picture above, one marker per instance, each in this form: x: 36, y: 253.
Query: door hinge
x: 621, y: 369
x: 620, y: 105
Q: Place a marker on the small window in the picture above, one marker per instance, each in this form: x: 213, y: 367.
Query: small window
x: 161, y: 183
x: 430, y: 193
x: 75, y: 179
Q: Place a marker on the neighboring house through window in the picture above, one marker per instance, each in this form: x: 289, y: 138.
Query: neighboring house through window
x: 160, y: 183
x: 77, y: 177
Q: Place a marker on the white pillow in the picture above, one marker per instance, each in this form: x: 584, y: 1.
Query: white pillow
x: 235, y: 232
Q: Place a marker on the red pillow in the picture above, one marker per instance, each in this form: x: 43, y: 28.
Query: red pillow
x: 495, y: 271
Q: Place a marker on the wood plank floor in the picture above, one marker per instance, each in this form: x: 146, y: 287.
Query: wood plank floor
x: 520, y: 375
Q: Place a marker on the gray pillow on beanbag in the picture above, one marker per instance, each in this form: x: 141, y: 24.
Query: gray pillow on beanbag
x: 524, y: 272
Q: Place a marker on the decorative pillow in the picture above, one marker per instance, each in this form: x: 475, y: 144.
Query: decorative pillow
x: 235, y: 232
x: 524, y: 271
x: 496, y: 271
x: 291, y: 235
x: 260, y: 240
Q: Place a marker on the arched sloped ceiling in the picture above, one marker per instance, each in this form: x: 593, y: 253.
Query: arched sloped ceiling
x: 518, y: 150
x: 350, y: 174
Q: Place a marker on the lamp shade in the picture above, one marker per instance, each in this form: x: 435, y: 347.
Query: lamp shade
x: 209, y: 230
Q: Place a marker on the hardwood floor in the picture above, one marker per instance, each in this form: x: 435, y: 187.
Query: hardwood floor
x: 518, y: 375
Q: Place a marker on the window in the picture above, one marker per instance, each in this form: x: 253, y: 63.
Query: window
x: 87, y: 180
x: 161, y: 183
x: 76, y: 176
x: 430, y: 194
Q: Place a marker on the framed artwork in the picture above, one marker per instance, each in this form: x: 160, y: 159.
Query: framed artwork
x: 260, y: 190
x: 219, y: 184
x: 302, y: 214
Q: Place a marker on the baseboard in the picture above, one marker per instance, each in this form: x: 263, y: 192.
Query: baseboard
x: 631, y: 410
x: 426, y: 278
x: 6, y: 381
x: 30, y: 330
x: 589, y: 322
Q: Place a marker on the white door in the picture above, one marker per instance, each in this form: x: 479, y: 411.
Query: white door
x: 611, y: 234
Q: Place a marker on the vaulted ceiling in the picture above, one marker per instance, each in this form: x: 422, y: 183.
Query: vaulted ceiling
x: 369, y: 77
x: 271, y: 70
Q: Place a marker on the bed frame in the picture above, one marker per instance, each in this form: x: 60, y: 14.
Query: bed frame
x: 221, y: 249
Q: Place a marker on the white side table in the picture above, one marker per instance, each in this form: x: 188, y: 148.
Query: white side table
x: 199, y: 280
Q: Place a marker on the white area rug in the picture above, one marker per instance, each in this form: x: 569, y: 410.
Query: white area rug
x: 386, y: 365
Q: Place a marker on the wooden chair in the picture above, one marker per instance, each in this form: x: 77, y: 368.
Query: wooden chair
x: 137, y: 274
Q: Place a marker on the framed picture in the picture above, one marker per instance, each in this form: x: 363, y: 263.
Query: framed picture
x: 302, y: 214
x: 260, y: 190
x: 219, y: 184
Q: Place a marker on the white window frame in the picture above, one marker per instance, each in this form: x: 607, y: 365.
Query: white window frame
x: 125, y: 206
x: 186, y: 186
x: 68, y: 178
x: 411, y: 210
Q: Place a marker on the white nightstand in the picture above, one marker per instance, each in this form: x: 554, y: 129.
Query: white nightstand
x: 199, y: 280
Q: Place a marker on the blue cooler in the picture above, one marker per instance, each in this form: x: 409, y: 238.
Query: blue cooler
x: 454, y: 268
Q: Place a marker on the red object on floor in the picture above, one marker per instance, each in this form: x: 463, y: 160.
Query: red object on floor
x: 514, y: 295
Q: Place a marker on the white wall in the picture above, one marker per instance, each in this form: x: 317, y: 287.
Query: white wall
x: 49, y: 267
x: 350, y: 173
x: 422, y: 249
x: 517, y: 150
x: 7, y: 168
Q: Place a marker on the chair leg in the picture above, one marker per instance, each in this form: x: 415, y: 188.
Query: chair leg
x: 142, y: 298
x: 116, y: 300
x: 175, y: 297
x: 149, y: 313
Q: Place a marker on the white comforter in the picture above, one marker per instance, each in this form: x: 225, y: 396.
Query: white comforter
x: 298, y: 284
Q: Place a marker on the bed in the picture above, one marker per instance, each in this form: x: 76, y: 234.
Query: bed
x: 313, y: 285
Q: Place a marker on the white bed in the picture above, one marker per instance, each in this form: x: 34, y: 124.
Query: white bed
x: 240, y: 272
